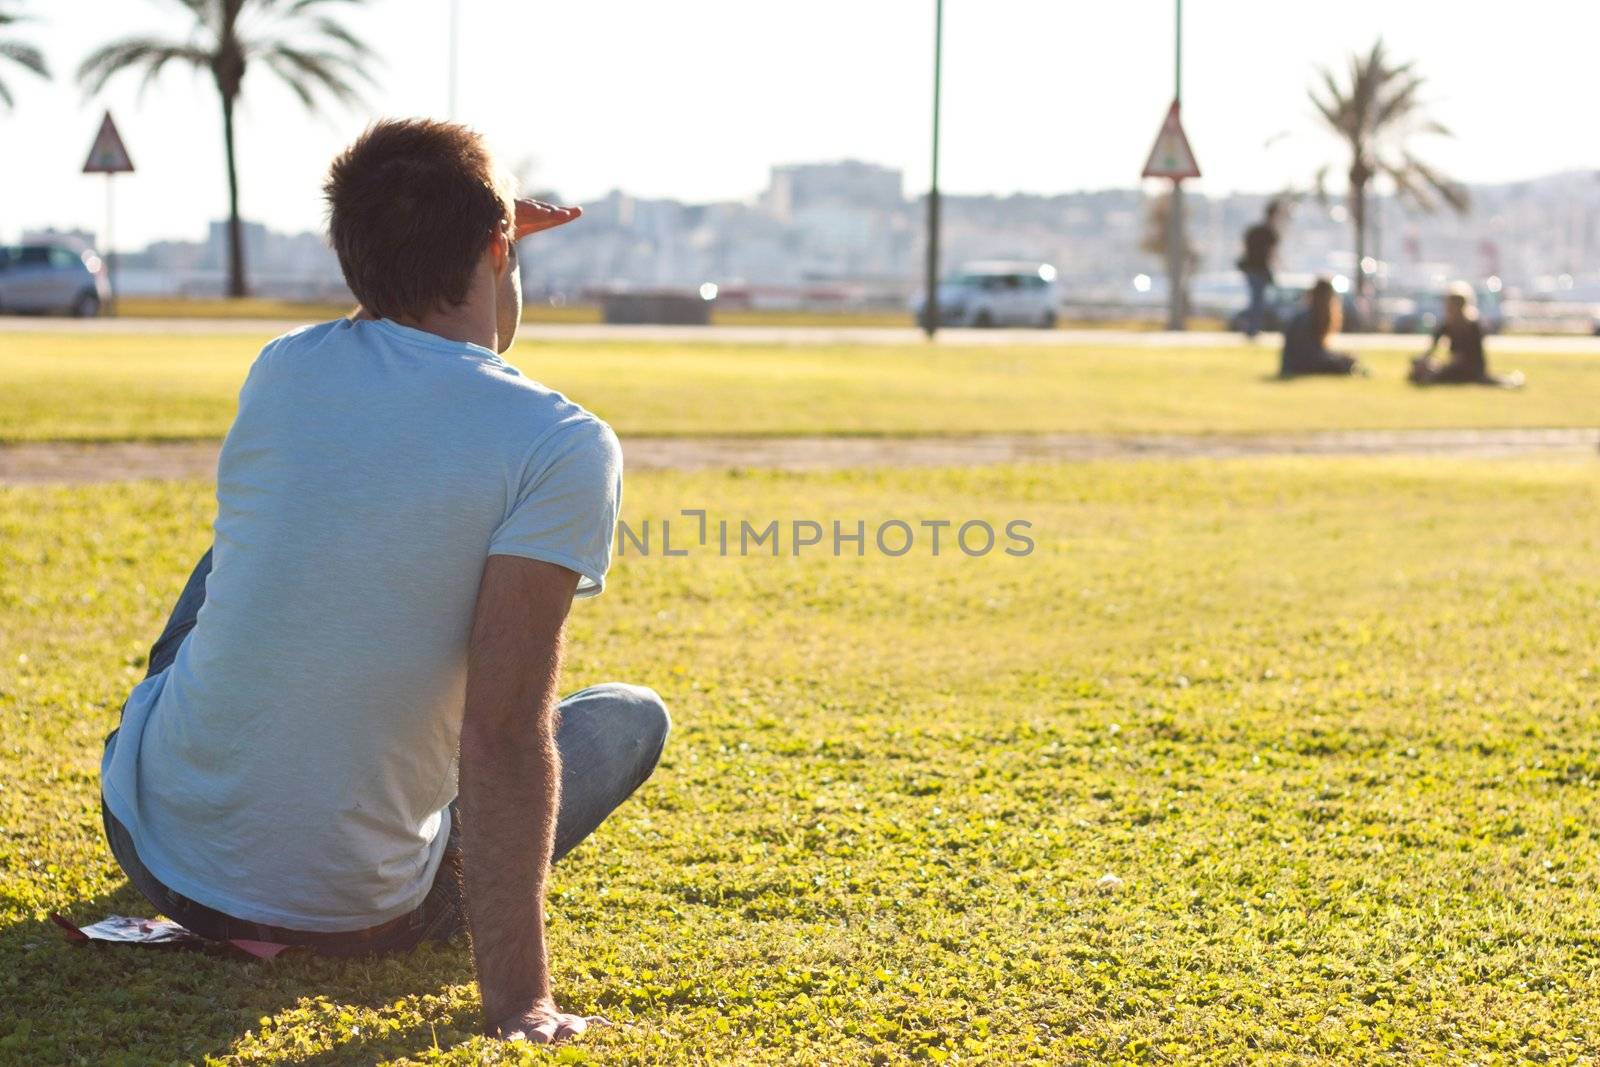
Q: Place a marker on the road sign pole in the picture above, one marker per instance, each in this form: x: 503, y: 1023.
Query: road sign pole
x: 109, y: 156
x: 1173, y: 158
x: 111, y: 255
x: 1176, y: 310
x: 930, y: 300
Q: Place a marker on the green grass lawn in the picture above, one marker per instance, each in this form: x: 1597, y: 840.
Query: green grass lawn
x: 133, y: 387
x: 1334, y: 723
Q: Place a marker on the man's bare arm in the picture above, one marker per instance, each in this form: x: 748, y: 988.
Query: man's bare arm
x: 510, y: 789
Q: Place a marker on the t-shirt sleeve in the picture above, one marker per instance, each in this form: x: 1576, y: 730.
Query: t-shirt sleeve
x: 566, y: 509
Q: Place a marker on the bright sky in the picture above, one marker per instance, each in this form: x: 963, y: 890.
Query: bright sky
x: 697, y: 98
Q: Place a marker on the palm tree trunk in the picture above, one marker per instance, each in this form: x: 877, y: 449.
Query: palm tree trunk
x: 1358, y: 219
x: 236, y: 285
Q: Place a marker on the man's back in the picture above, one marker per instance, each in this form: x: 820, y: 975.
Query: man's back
x: 1260, y: 241
x: 293, y: 766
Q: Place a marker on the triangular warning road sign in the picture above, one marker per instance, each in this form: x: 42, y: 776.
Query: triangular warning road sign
x: 1171, y: 157
x: 108, y: 155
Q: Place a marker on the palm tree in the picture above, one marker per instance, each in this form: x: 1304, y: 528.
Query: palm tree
x: 24, y: 55
x: 230, y: 37
x: 1375, y: 114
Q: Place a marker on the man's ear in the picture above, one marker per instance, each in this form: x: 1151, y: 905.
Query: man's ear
x: 502, y: 252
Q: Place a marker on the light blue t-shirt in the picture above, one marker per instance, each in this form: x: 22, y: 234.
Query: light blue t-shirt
x: 294, y: 764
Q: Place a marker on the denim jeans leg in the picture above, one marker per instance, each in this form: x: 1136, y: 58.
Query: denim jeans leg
x: 610, y: 739
x: 1256, y: 313
x: 181, y: 621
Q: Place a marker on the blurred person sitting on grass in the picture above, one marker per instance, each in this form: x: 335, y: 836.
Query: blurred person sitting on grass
x: 349, y: 737
x: 1305, y: 342
x: 1467, y: 364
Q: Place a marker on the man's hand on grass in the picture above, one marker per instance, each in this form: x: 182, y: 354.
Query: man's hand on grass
x: 536, y: 215
x: 545, y: 1024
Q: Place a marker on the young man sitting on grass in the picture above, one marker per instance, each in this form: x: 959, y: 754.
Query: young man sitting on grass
x: 403, y: 521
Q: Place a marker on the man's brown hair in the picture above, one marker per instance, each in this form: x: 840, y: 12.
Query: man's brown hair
x: 411, y: 206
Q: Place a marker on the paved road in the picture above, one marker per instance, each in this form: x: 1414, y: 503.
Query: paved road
x: 800, y: 335
x: 66, y: 463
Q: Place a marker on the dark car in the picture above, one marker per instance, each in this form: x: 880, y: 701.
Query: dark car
x: 1427, y: 312
x: 1284, y: 302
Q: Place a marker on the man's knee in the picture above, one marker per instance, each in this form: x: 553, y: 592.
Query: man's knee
x: 646, y: 720
x: 650, y: 711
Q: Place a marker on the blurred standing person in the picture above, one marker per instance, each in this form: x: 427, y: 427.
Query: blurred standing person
x: 1305, y: 342
x: 1260, y: 253
x: 1467, y: 364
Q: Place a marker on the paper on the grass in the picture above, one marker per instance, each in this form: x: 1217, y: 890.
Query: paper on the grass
x: 125, y: 930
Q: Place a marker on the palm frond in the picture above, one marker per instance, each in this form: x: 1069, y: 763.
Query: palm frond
x: 1319, y: 185
x: 135, y: 52
x: 291, y: 77
x: 1407, y: 186
x: 1449, y: 190
x: 1403, y: 70
x: 1333, y: 107
x: 25, y: 55
x: 11, y: 18
x: 205, y: 12
x: 1375, y: 59
x: 308, y: 72
x: 359, y: 49
x: 295, y: 7
x: 300, y: 5
x: 1400, y: 103
x: 1358, y: 95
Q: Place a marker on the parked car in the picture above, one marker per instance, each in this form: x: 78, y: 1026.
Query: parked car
x: 996, y: 294
x: 1427, y: 312
x: 1285, y: 301
x: 46, y: 279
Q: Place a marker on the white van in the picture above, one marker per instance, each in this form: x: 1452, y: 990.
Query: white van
x: 996, y: 294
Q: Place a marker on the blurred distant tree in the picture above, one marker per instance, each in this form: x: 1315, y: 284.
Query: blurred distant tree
x: 1376, y: 112
x: 294, y: 39
x: 24, y: 55
x: 1157, y: 233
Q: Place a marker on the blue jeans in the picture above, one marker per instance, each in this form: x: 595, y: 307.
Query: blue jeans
x: 610, y: 738
x: 1255, y: 314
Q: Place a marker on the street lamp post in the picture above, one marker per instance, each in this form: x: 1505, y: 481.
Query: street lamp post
x: 1177, y: 299
x: 455, y: 33
x: 930, y: 302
